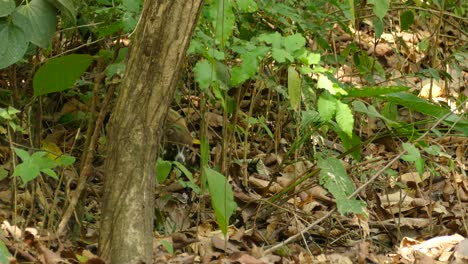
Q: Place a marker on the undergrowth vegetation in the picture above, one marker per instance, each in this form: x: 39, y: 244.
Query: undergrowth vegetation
x: 292, y: 109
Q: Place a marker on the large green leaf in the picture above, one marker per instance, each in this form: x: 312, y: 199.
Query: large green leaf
x: 247, y: 6
x: 326, y: 106
x: 380, y: 7
x: 222, y: 197
x: 406, y: 20
x: 371, y: 91
x: 344, y: 118
x: 66, y: 7
x: 38, y: 19
x: 294, y: 88
x: 333, y: 177
x: 4, y: 253
x: 415, y: 103
x: 204, y: 74
x: 60, y: 73
x: 163, y: 168
x: 7, y: 7
x: 32, y: 165
x: 13, y: 43
x: 294, y: 42
x: 223, y: 19
x: 275, y: 39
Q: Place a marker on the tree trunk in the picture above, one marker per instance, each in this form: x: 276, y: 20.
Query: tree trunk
x: 136, y: 126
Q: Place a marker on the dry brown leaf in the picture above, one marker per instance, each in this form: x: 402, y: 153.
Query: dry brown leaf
x: 434, y: 248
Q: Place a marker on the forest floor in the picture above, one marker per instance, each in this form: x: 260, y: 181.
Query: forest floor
x: 411, y: 217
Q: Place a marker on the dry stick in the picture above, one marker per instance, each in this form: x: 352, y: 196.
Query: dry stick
x: 377, y: 174
x: 86, y: 170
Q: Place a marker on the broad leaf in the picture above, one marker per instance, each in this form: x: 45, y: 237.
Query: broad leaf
x: 294, y: 88
x: 66, y: 7
x: 7, y: 7
x: 222, y: 197
x: 275, y: 39
x: 204, y: 74
x: 223, y: 19
x: 4, y: 252
x: 325, y: 83
x: 415, y: 103
x: 406, y: 20
x: 294, y: 42
x: 380, y: 7
x: 281, y: 55
x: 333, y: 177
x: 163, y: 168
x: 326, y: 106
x: 378, y: 27
x: 247, y: 6
x: 60, y: 74
x: 371, y: 91
x: 38, y: 19
x: 13, y: 43
x: 344, y: 118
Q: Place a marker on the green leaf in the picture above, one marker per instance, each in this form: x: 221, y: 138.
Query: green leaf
x: 415, y: 103
x: 66, y: 7
x: 249, y: 66
x: 6, y: 7
x: 281, y: 55
x: 203, y: 74
x: 163, y: 168
x: 309, y: 119
x: 333, y: 177
x: 247, y: 6
x: 4, y: 253
x: 222, y: 197
x: 132, y: 5
x: 378, y: 27
x: 24, y: 155
x: 406, y: 20
x: 61, y: 73
x: 38, y: 19
x: 348, y: 10
x: 344, y: 118
x: 310, y: 58
x: 420, y: 164
x: 223, y: 19
x: 413, y: 152
x: 294, y: 88
x: 66, y: 160
x: 13, y: 43
x: 9, y: 113
x: 168, y: 246
x: 184, y: 170
x: 371, y: 91
x: 294, y: 42
x: 27, y: 171
x: 380, y: 7
x: 359, y: 106
x: 324, y: 82
x: 3, y: 174
x: 50, y: 172
x: 350, y: 142
x: 326, y: 106
x: 275, y: 39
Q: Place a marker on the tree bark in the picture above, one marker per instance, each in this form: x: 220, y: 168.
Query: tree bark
x: 136, y: 126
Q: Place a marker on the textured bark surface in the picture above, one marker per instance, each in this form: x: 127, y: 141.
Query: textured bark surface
x: 135, y: 128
